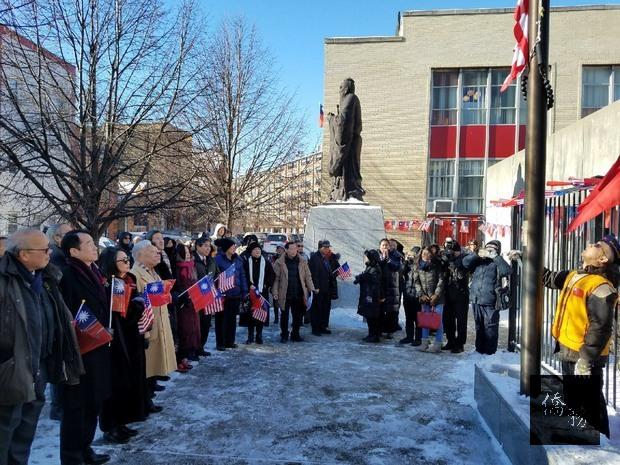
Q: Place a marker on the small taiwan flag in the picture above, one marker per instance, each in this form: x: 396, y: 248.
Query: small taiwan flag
x: 121, y: 293
x: 90, y: 333
x: 202, y: 293
x: 321, y: 116
x: 260, y: 306
x: 159, y: 292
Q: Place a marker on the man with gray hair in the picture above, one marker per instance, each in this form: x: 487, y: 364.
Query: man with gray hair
x: 37, y: 340
x: 55, y: 233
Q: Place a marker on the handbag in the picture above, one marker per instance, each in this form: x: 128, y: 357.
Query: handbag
x: 429, y: 320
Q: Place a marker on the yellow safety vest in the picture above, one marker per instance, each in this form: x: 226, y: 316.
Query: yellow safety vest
x: 571, y: 316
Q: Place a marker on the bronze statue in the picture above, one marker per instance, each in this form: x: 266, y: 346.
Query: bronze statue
x: 345, y: 147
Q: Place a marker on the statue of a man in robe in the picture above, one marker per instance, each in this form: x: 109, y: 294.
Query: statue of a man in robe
x: 345, y: 148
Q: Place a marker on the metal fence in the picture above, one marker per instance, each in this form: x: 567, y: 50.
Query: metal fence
x: 563, y: 252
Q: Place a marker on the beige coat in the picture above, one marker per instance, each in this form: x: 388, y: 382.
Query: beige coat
x: 281, y: 283
x: 160, y: 357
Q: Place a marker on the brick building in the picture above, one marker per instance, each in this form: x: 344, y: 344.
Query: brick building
x: 433, y: 117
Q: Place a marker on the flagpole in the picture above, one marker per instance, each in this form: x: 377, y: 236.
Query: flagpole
x: 111, y: 300
x: 80, y: 307
x: 533, y: 225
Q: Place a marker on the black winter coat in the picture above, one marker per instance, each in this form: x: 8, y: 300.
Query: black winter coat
x: 430, y: 281
x: 371, y: 292
x: 484, y: 278
x: 457, y: 279
x: 323, y: 276
x: 202, y: 269
x: 390, y: 278
x: 76, y: 285
x: 409, y: 292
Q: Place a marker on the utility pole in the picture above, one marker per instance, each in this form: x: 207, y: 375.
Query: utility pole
x: 535, y: 160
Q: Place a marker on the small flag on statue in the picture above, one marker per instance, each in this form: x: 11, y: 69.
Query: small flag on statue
x: 146, y: 320
x: 217, y: 305
x: 227, y: 279
x: 159, y: 292
x: 321, y: 116
x: 90, y: 333
x: 202, y: 293
x: 344, y: 271
x: 260, y: 306
x: 121, y: 293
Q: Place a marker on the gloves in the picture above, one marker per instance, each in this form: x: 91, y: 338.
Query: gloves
x: 582, y: 368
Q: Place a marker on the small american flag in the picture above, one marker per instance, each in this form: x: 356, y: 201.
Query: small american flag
x: 344, y: 271
x: 217, y: 305
x: 522, y: 48
x: 227, y: 279
x: 146, y: 320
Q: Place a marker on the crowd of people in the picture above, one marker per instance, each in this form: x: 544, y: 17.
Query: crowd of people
x: 46, y: 280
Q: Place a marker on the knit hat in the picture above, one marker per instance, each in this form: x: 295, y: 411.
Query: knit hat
x: 252, y: 246
x: 614, y: 245
x: 373, y: 256
x: 494, y: 244
x: 224, y: 243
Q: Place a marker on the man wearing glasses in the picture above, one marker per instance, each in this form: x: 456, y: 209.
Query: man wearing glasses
x: 37, y: 341
x: 584, y: 315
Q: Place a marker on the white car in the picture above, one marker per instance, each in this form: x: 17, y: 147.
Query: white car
x: 272, y: 241
x: 105, y: 242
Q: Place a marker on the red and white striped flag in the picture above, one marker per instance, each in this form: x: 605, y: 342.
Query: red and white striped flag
x: 226, y: 279
x: 344, y: 271
x: 260, y: 306
x: 522, y: 48
x: 146, y: 320
x: 216, y: 305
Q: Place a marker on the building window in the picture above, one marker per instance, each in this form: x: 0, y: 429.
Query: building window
x: 445, y: 85
x: 601, y: 87
x: 473, y: 95
x: 503, y: 104
x: 441, y: 179
x: 471, y: 195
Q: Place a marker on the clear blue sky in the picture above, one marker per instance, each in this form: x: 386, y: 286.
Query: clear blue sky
x: 294, y: 30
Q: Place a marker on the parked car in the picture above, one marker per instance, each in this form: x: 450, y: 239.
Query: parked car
x: 272, y: 241
x: 259, y: 235
x: 105, y: 242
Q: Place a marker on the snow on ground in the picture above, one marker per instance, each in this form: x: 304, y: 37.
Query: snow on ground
x: 329, y: 400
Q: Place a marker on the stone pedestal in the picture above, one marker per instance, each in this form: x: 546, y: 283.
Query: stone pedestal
x: 351, y: 227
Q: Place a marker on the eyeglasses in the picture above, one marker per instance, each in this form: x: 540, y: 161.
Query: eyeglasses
x: 47, y: 249
x: 124, y: 260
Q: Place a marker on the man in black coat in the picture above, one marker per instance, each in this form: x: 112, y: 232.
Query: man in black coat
x: 488, y: 267
x: 83, y: 283
x: 37, y: 341
x: 205, y: 265
x: 322, y: 271
x: 457, y: 297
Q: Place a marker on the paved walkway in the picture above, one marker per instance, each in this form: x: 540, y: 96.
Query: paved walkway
x: 329, y: 400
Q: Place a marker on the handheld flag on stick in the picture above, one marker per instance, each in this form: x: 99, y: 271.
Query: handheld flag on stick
x: 227, y: 279
x: 90, y: 333
x: 344, y: 271
x: 146, y: 320
x: 202, y: 293
x: 121, y: 293
x: 260, y: 306
x: 159, y: 292
x: 217, y: 305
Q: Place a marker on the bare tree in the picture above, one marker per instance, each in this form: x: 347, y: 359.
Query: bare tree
x: 95, y: 101
x: 253, y: 127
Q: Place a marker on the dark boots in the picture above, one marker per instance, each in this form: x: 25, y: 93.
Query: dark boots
x: 250, y: 335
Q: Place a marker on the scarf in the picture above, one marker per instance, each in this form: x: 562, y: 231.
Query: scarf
x: 92, y: 274
x: 424, y: 265
x: 261, y: 278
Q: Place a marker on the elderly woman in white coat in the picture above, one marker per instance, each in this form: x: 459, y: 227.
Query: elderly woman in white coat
x: 160, y: 356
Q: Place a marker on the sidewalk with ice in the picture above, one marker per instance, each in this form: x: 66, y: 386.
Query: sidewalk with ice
x: 329, y: 400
